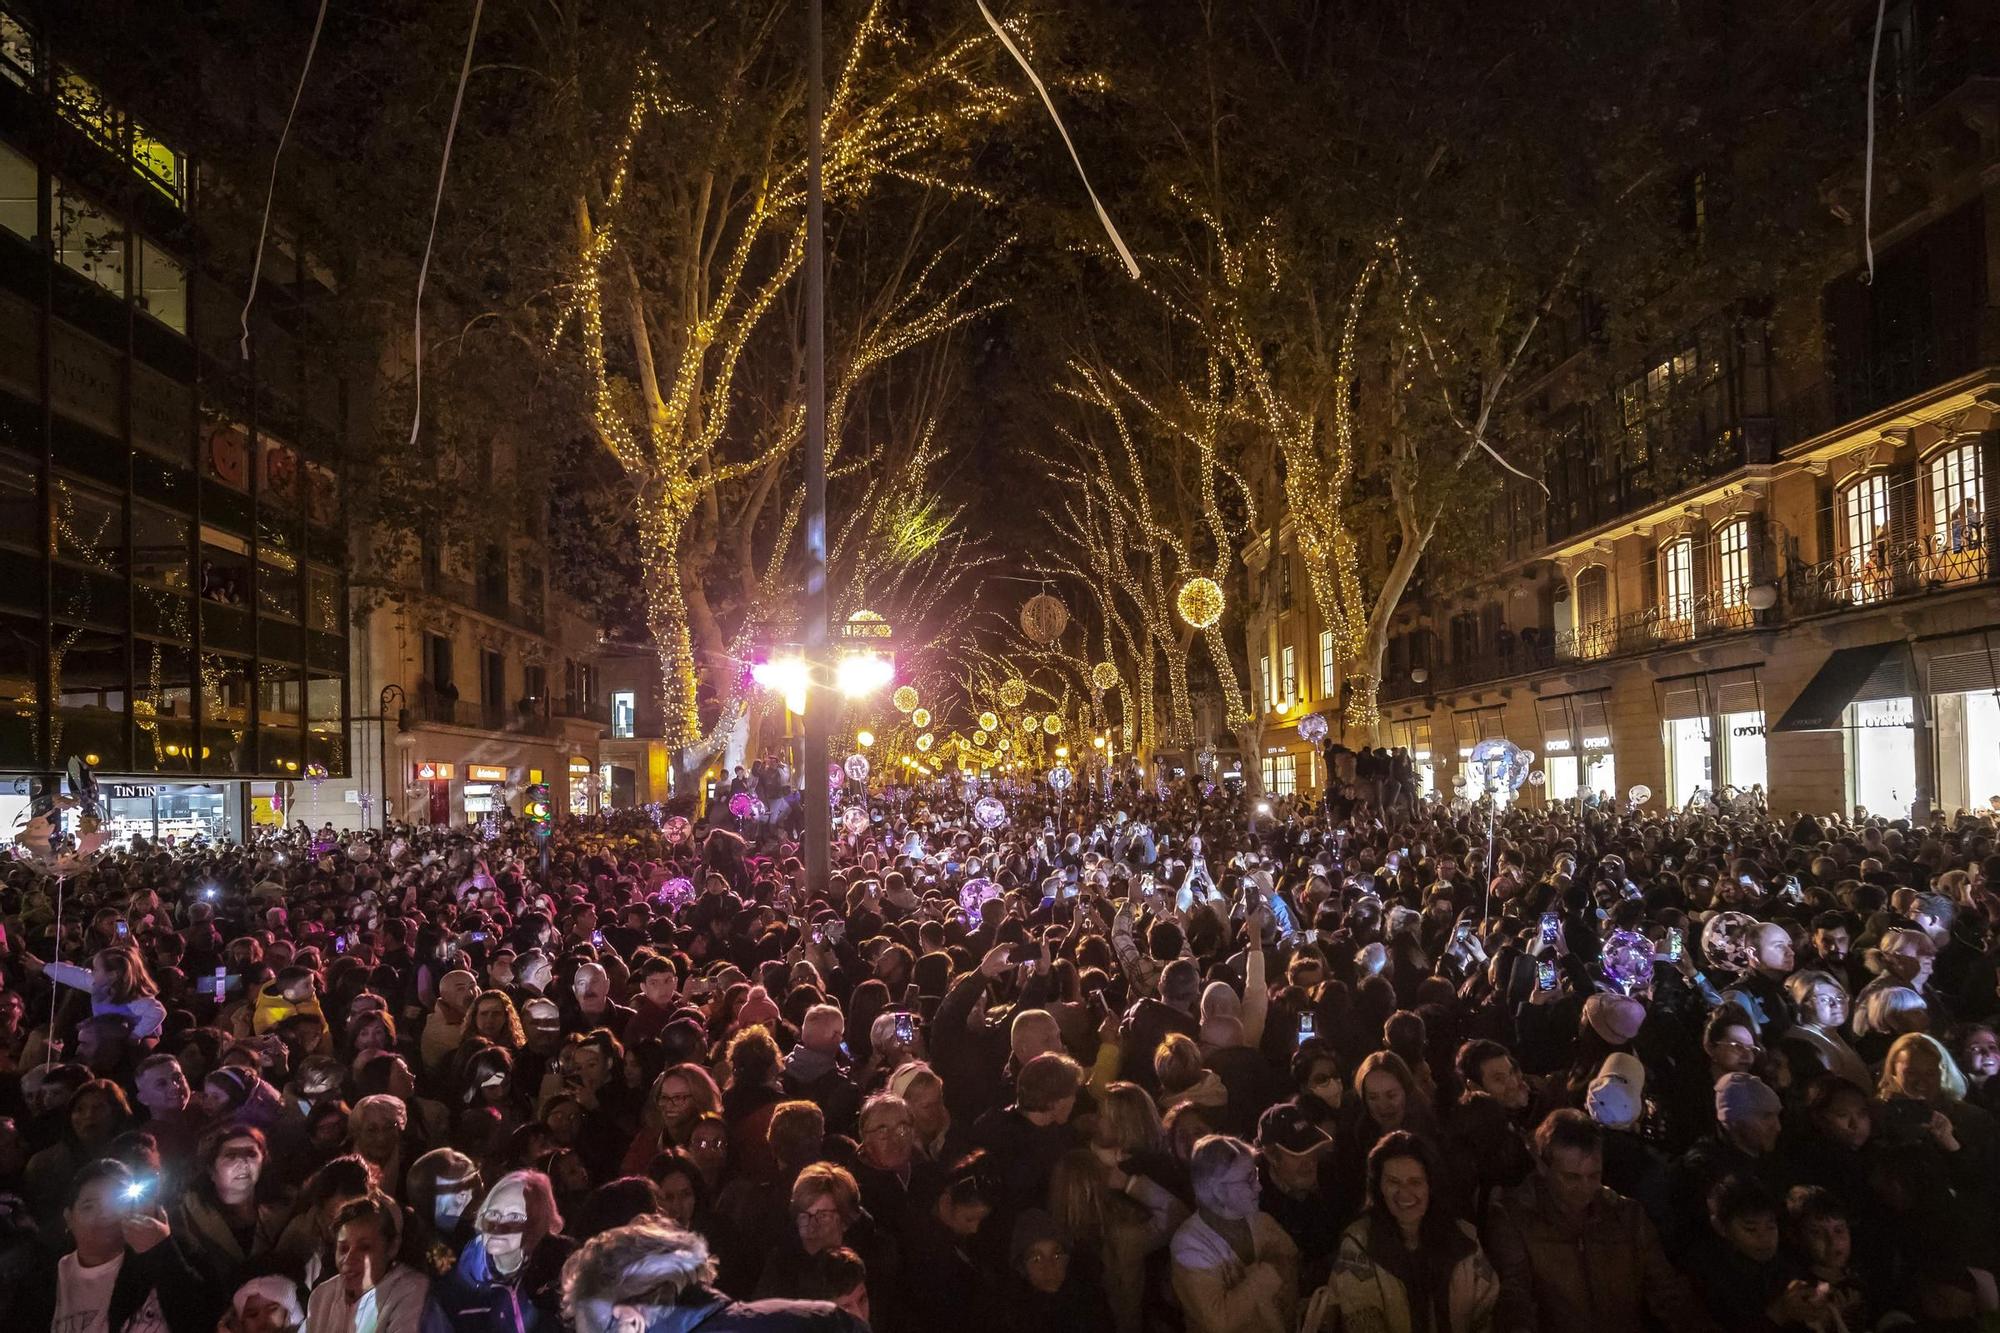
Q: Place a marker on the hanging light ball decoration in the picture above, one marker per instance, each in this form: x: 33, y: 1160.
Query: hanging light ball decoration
x: 989, y: 812
x: 857, y: 767
x: 741, y: 804
x: 676, y: 893
x: 1538, y: 779
x: 1105, y: 675
x: 1500, y: 765
x: 1200, y: 602
x: 979, y: 738
x: 921, y: 718
x: 924, y: 742
x: 1060, y: 778
x: 835, y: 776
x: 1044, y: 618
x: 855, y: 820
x: 1639, y: 794
x: 1312, y: 728
x: 975, y: 892
x: 1003, y: 745
x: 905, y: 698
x: 1205, y: 759
x: 676, y: 830
x: 1013, y: 693
x: 989, y: 722
x: 1052, y: 725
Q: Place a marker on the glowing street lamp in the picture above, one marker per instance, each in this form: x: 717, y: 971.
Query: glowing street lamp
x: 859, y: 675
x: 787, y: 676
x: 864, y: 739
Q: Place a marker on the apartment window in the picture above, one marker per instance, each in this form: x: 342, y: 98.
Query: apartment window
x: 535, y: 686
x: 1732, y: 562
x: 1677, y: 581
x: 1864, y: 513
x: 20, y: 198
x: 90, y: 528
x: 1281, y: 774
x: 437, y: 660
x: 1267, y: 695
x: 492, y: 677
x: 1957, y: 522
x: 1464, y: 637
x: 1326, y: 665
x: 17, y: 52
x: 1285, y: 581
x: 1291, y: 687
x: 624, y: 713
x: 1594, y: 631
x: 161, y: 286
x: 88, y: 240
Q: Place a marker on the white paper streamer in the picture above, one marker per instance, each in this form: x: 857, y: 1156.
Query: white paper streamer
x: 1117, y: 241
x: 437, y: 203
x: 270, y: 190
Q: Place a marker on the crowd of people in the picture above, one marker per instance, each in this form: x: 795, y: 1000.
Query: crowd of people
x: 1134, y: 1058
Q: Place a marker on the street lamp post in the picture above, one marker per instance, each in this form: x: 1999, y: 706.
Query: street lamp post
x: 813, y: 732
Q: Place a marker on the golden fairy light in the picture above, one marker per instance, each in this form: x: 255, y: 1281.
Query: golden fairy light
x: 1200, y: 602
x: 905, y: 698
x: 989, y: 722
x: 1105, y: 675
x: 1013, y: 693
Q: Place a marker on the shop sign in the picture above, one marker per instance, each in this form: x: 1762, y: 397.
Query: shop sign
x: 579, y: 768
x: 434, y: 772
x: 1757, y: 730
x: 131, y: 791
x: 485, y: 773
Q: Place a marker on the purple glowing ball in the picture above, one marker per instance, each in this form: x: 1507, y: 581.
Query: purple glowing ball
x: 989, y: 812
x: 677, y: 829
x: 977, y: 891
x: 676, y: 893
x: 1628, y: 960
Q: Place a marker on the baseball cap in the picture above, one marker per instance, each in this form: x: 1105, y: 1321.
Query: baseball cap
x: 1286, y: 1126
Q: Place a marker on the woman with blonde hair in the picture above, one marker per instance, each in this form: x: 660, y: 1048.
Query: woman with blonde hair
x: 827, y: 1215
x: 680, y: 1097
x: 1117, y: 1218
x: 1820, y: 1007
x: 1177, y: 1063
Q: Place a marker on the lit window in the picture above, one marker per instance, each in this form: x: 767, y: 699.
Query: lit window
x: 624, y: 713
x: 17, y: 52
x: 1864, y: 508
x: 1732, y: 549
x: 1957, y: 516
x: 1677, y: 582
x: 1291, y: 677
x: 20, y: 203
x: 1326, y: 664
x: 1264, y: 699
x: 162, y: 286
x: 88, y: 240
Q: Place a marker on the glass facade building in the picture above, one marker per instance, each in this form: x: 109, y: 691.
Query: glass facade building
x: 173, y: 589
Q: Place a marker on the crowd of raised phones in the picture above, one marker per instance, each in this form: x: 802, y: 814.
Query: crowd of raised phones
x: 1141, y: 1059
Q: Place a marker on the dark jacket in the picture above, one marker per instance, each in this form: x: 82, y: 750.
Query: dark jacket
x: 474, y: 1298
x: 708, y: 1310
x: 1146, y: 1025
x: 161, y: 1269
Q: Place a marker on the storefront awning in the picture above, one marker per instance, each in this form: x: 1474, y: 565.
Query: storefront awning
x: 1849, y: 675
x: 1962, y: 663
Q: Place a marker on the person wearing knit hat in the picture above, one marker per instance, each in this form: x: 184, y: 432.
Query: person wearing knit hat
x: 266, y: 1305
x: 1616, y: 1019
x: 1746, y: 1108
x: 759, y: 1010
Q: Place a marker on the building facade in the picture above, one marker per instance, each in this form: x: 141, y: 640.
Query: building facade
x: 1804, y: 605
x: 173, y: 594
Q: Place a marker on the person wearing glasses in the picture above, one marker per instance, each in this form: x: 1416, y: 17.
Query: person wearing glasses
x: 827, y: 1215
x: 895, y: 1181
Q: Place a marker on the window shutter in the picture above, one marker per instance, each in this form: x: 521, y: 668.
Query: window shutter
x: 1824, y: 536
x: 1649, y: 581
x: 1904, y: 518
x: 1681, y: 698
x: 1699, y: 566
x: 1736, y: 691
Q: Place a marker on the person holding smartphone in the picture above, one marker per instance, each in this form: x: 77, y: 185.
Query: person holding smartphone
x: 122, y: 1272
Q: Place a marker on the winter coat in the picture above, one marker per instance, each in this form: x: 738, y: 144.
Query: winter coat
x: 1606, y: 1271
x: 1370, y: 1299
x: 474, y: 1298
x: 709, y: 1311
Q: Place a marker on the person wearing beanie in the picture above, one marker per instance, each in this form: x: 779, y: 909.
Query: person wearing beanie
x: 758, y: 1010
x: 1745, y: 1143
x: 1616, y: 1019
x: 1045, y: 1289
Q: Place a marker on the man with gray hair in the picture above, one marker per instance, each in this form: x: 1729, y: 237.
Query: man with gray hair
x: 814, y: 1072
x: 652, y: 1277
x: 375, y: 1131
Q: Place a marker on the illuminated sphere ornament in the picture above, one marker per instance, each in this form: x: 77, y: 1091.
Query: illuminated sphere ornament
x: 989, y: 722
x: 1013, y: 693
x: 1639, y: 794
x: 745, y: 806
x: 977, y: 891
x: 989, y: 812
x: 979, y: 738
x: 1538, y: 778
x: 1003, y: 745
x: 1729, y: 941
x: 857, y: 767
x: 676, y: 893
x: 1205, y: 759
x: 921, y: 718
x: 855, y: 820
x: 1044, y: 618
x: 1105, y: 675
x: 924, y: 742
x: 1052, y: 725
x: 1628, y: 960
x: 835, y: 776
x: 1312, y: 728
x: 1060, y: 777
x: 1200, y: 602
x: 905, y: 698
x: 676, y: 830
x: 1500, y: 765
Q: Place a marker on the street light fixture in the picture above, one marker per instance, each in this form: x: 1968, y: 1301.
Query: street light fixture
x: 864, y: 739
x: 859, y: 675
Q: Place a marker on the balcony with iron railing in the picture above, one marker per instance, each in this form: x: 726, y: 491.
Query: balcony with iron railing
x: 1887, y: 572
